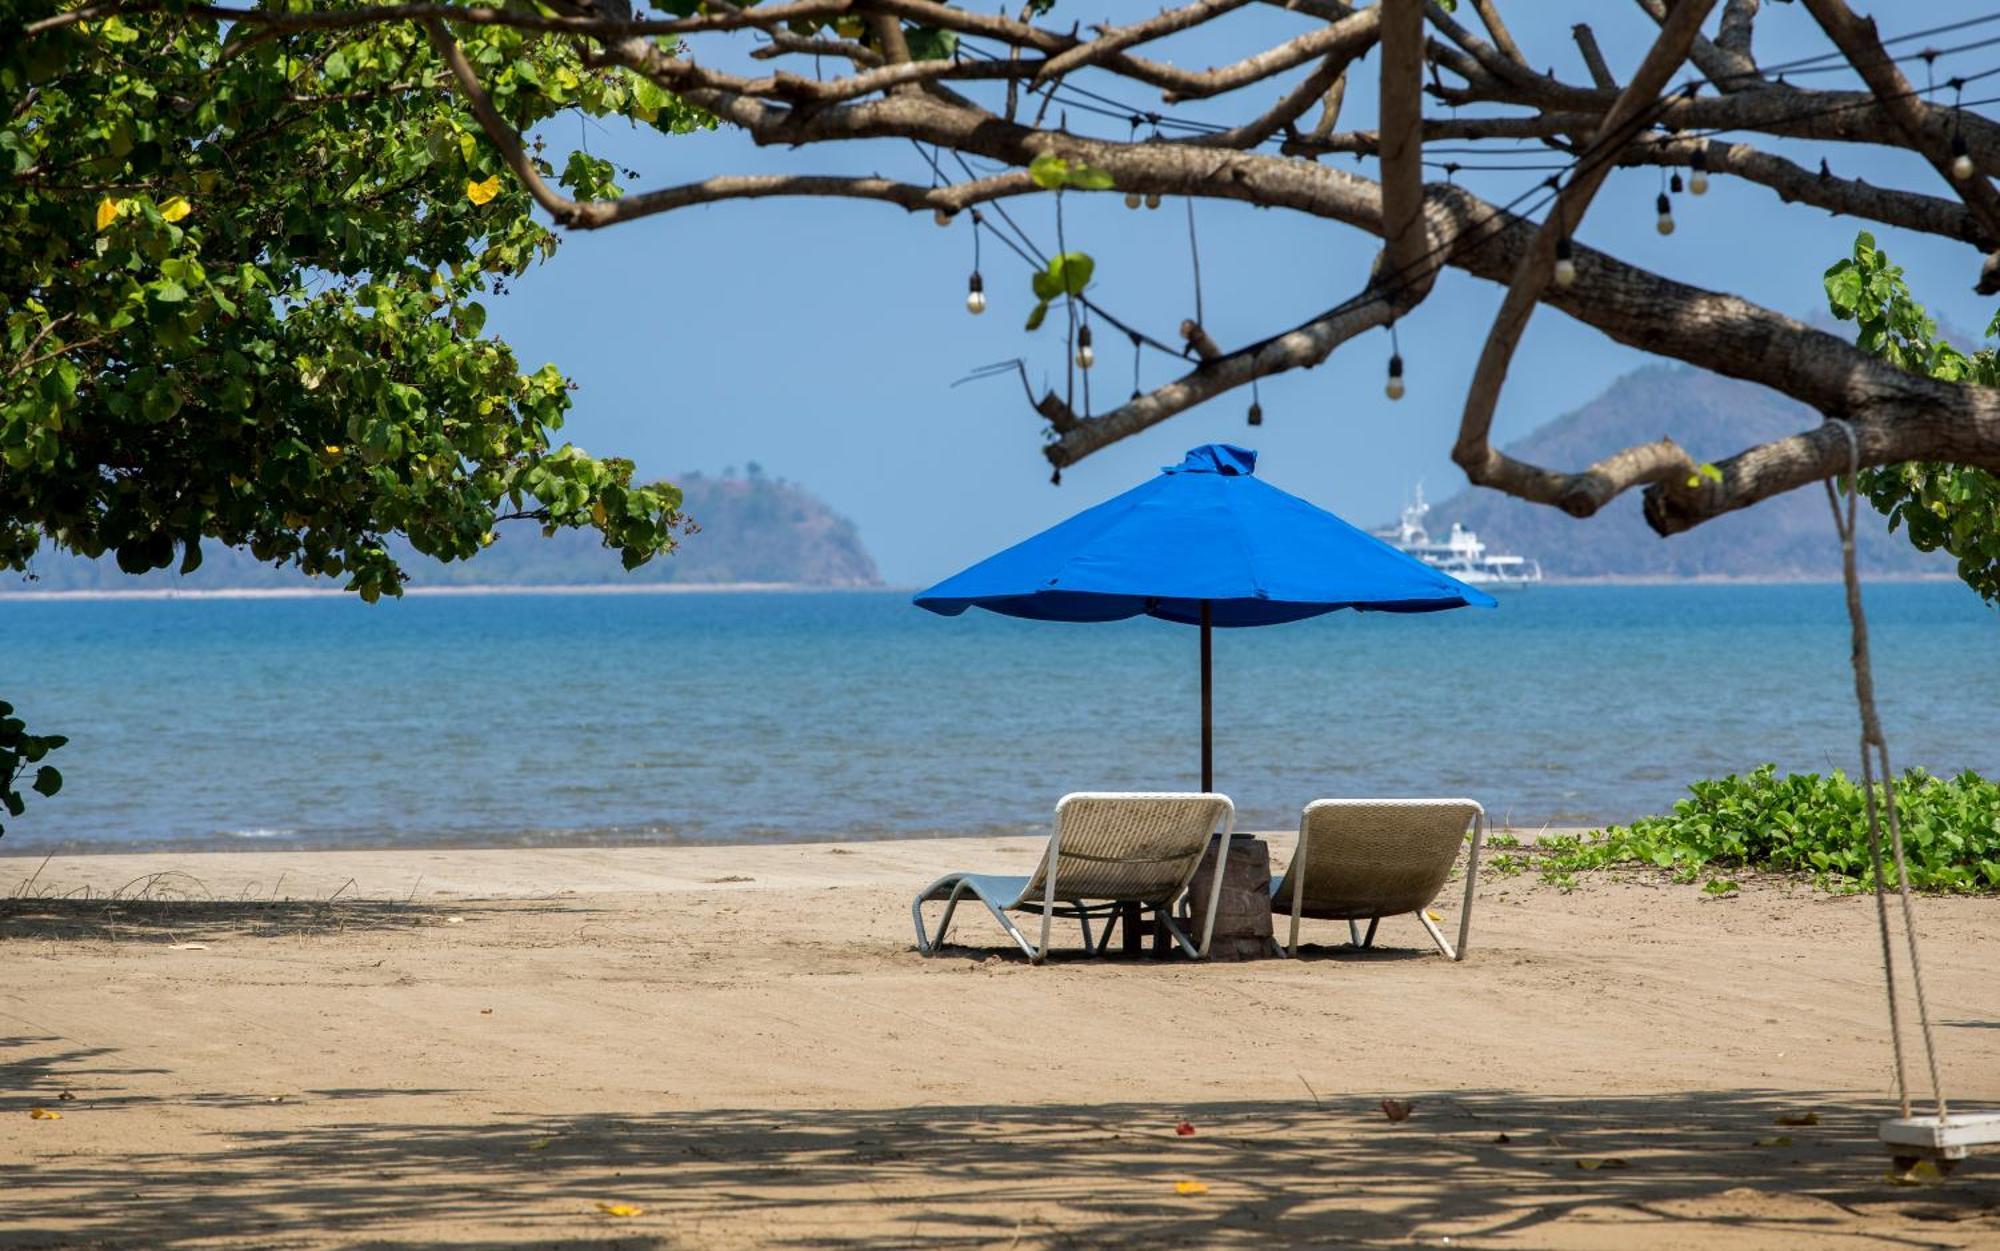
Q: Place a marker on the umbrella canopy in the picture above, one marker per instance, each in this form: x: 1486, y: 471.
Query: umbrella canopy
x: 1206, y: 542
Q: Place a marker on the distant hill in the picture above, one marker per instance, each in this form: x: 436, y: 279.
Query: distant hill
x: 1790, y: 536
x: 752, y: 529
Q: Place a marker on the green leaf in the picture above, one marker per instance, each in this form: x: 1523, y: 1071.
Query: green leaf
x: 1037, y: 315
x: 1090, y: 178
x: 1071, y: 272
x: 1048, y: 171
x: 47, y: 782
x: 930, y: 45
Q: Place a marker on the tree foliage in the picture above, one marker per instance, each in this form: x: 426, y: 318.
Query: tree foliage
x: 1938, y: 505
x: 240, y: 297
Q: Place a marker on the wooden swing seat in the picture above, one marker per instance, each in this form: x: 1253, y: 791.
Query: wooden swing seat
x: 1936, y: 1138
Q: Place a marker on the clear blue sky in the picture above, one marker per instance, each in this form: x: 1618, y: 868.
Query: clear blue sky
x: 821, y: 338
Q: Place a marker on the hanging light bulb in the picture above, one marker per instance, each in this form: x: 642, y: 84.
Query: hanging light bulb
x: 1256, y: 413
x: 1961, y: 159
x: 1394, y: 388
x: 1086, y: 356
x: 1565, y: 262
x: 942, y: 217
x: 1153, y: 200
x: 1133, y: 199
x: 975, y: 295
x: 1698, y: 179
x: 1666, y: 223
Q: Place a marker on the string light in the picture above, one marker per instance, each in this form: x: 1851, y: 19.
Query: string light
x: 1256, y: 405
x: 942, y: 217
x: 1565, y: 262
x: 1133, y: 199
x: 1394, y: 387
x: 975, y: 290
x: 1674, y: 185
x: 1961, y: 159
x: 1698, y: 179
x: 1086, y: 356
x: 1666, y: 223
x: 1153, y: 200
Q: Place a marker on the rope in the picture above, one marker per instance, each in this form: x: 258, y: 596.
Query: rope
x: 1872, y: 740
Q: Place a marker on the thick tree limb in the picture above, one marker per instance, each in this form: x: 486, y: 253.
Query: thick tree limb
x: 1739, y: 19
x: 1402, y: 128
x: 1474, y: 451
x: 1295, y: 349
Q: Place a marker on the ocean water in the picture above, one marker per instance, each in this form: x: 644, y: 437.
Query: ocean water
x: 510, y: 719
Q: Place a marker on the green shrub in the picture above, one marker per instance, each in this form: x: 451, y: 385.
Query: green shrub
x: 1805, y: 823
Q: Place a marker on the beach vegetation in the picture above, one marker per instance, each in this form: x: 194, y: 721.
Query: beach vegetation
x: 1801, y: 823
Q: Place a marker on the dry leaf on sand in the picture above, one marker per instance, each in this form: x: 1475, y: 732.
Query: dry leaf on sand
x: 43, y: 1114
x: 1922, y: 1173
x: 1190, y: 1187
x: 620, y: 1209
x: 1799, y: 1118
x: 1185, y: 1129
x: 1775, y: 1140
x: 1397, y: 1110
x: 1593, y: 1163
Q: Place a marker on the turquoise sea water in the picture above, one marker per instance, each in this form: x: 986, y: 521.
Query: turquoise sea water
x: 506, y: 719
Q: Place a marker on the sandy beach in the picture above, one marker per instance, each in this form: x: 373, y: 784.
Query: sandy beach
x: 738, y: 1046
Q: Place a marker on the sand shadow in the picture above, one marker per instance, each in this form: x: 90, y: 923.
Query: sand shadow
x: 1482, y: 1167
x: 184, y: 920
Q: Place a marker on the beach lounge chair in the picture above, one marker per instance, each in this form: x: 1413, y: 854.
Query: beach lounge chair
x: 1108, y: 850
x: 1365, y: 859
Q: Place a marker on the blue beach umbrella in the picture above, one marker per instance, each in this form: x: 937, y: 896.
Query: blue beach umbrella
x: 1205, y: 543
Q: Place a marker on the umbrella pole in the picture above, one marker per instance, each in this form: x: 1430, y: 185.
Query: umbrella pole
x: 1207, y: 699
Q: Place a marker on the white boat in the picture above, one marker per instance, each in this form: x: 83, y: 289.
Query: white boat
x: 1461, y: 553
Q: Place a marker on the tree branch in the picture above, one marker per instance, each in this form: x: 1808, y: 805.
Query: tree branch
x: 1503, y: 39
x: 1402, y: 128
x: 1593, y: 57
x: 504, y: 137
x: 1727, y: 69
x: 1474, y: 452
x: 1856, y: 38
x: 1794, y: 183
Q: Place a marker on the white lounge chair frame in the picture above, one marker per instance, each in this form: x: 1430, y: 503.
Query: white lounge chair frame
x: 1119, y: 854
x: 1420, y: 829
